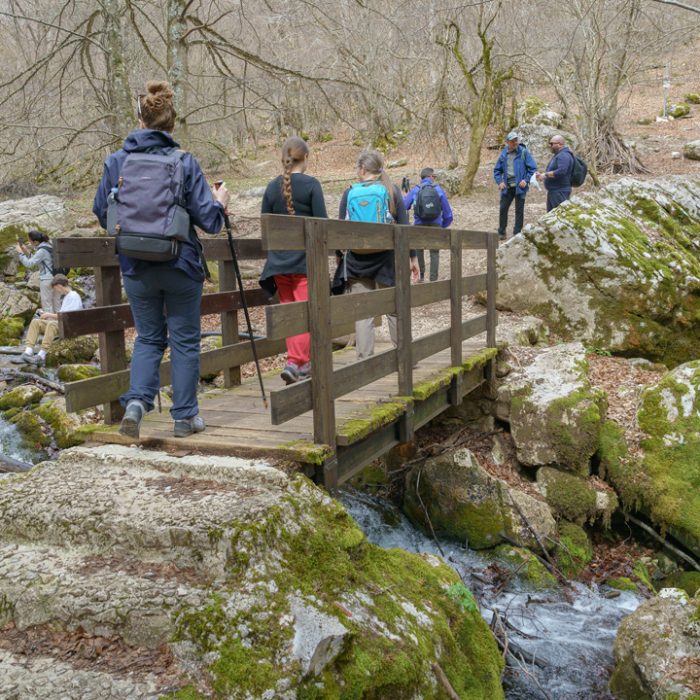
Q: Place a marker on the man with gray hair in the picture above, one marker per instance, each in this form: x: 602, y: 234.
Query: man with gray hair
x: 557, y: 177
x: 512, y: 172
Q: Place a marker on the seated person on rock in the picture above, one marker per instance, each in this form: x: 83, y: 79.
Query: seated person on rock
x: 47, y: 323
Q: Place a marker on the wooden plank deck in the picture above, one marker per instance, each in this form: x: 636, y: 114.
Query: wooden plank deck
x: 238, y: 423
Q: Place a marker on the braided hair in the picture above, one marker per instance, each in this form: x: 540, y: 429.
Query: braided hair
x: 294, y: 150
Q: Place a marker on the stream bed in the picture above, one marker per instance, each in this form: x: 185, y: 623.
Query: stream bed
x: 566, y: 635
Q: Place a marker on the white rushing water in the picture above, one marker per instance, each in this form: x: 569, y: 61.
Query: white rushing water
x: 568, y: 633
x: 11, y: 443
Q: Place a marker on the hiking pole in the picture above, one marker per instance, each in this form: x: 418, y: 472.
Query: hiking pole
x: 237, y: 270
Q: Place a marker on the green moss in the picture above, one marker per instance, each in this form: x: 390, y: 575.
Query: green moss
x: 622, y: 583
x: 362, y: 424
x: 61, y: 424
x: 692, y: 98
x: 677, y: 110
x: 689, y: 581
x: 574, y: 551
x: 306, y: 451
x: 71, y: 351
x: 21, y: 397
x: 531, y: 107
x: 570, y: 497
x: 75, y: 373
x: 427, y: 388
x: 526, y: 566
x: 31, y: 429
x: 641, y: 571
x: 11, y: 330
x: 187, y: 693
x: 324, y: 564
x: 479, y: 359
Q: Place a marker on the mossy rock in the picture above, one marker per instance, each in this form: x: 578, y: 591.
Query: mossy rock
x: 688, y: 581
x: 526, y: 566
x: 75, y: 373
x: 71, y: 351
x: 21, y: 397
x: 32, y: 429
x: 63, y: 425
x: 622, y: 583
x: 530, y: 107
x: 692, y: 98
x: 574, y: 551
x: 570, y: 497
x: 11, y: 330
x: 677, y: 110
x: 664, y: 480
x: 618, y: 269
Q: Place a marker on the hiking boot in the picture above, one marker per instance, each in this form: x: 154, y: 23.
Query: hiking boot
x: 501, y: 236
x: 131, y: 423
x: 20, y: 359
x: 188, y: 426
x: 305, y: 372
x: 290, y: 374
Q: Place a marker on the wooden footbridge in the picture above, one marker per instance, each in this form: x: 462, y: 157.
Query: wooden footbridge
x: 351, y: 412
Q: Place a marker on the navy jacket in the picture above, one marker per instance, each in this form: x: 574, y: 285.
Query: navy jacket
x: 562, y: 165
x: 445, y: 218
x: 524, y: 166
x: 204, y: 211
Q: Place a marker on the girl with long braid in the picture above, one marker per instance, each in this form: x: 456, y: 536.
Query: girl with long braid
x: 293, y: 193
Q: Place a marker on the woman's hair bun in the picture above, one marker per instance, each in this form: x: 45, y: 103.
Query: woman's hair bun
x: 160, y: 88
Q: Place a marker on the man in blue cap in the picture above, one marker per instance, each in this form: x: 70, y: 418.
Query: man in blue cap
x: 512, y: 172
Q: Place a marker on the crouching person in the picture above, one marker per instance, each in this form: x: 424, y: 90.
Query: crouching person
x: 47, y: 323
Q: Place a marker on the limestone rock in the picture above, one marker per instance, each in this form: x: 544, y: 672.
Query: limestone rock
x: 449, y: 179
x: 15, y: 303
x: 555, y: 416
x: 11, y: 330
x: 533, y: 110
x: 692, y: 98
x: 71, y: 351
x: 677, y: 110
x: 74, y: 373
x: 691, y: 150
x: 465, y: 502
x: 21, y: 397
x: 660, y: 475
x: 657, y: 650
x: 619, y: 269
x: 575, y: 499
x: 237, y: 576
x: 536, y: 137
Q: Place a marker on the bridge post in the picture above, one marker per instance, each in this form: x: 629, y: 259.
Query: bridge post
x: 108, y: 292
x: 319, y: 305
x: 456, y: 314
x: 404, y: 349
x: 229, y: 320
x: 491, y: 312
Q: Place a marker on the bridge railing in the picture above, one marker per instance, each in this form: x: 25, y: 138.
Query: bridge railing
x: 110, y: 318
x: 319, y: 238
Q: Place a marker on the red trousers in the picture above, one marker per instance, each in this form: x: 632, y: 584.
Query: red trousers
x: 294, y: 288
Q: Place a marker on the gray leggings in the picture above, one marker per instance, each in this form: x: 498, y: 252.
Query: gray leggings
x: 364, y: 329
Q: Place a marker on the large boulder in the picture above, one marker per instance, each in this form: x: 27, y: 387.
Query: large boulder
x: 657, y: 650
x: 71, y: 351
x: 555, y: 415
x: 537, y: 136
x: 455, y: 496
x: 15, y: 303
x: 217, y: 577
x: 655, y: 467
x: 44, y: 212
x: 619, y: 269
x: 691, y: 150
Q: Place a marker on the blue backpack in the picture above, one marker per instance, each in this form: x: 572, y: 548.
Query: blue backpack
x: 369, y: 202
x: 146, y: 212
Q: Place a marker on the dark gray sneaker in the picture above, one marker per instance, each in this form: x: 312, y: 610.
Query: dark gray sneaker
x: 187, y: 426
x: 290, y: 374
x: 131, y: 423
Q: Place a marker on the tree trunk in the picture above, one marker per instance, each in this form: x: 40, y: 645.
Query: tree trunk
x: 476, y: 139
x: 121, y: 103
x: 177, y: 62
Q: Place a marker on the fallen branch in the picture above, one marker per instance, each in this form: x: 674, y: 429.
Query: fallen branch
x: 35, y: 378
x: 444, y: 681
x: 678, y: 552
x: 10, y: 464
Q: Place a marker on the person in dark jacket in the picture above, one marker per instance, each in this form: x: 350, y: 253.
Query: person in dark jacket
x: 292, y: 193
x: 557, y: 177
x: 367, y: 271
x: 164, y: 296
x: 444, y: 219
x: 512, y: 172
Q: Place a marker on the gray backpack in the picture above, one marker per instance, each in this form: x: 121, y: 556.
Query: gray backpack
x: 146, y: 211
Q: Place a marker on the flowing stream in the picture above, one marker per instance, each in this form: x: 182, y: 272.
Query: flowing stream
x: 11, y: 444
x: 569, y: 634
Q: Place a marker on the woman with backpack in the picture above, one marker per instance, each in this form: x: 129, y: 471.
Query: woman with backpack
x: 42, y: 259
x: 373, y: 199
x: 164, y: 290
x: 293, y: 193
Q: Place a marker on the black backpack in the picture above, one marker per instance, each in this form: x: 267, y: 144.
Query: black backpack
x: 428, y: 205
x: 53, y: 270
x: 579, y: 171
